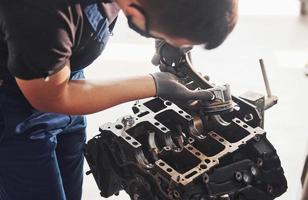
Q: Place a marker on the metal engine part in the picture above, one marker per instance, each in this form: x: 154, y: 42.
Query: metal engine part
x: 164, y: 153
x: 217, y: 151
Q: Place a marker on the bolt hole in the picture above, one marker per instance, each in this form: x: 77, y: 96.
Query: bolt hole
x: 169, y: 170
x: 168, y: 103
x: 248, y: 117
x: 128, y: 138
x: 203, y: 166
x: 167, y: 148
x: 119, y: 126
x: 156, y: 124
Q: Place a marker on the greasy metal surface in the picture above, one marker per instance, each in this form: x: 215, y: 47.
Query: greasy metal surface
x: 205, y: 163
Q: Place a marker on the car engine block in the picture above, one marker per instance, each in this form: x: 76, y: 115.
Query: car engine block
x: 211, y: 152
x: 161, y: 153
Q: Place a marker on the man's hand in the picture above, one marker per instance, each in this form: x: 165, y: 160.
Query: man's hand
x: 169, y: 87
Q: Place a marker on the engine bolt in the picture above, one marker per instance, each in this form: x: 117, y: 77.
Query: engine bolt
x: 270, y: 189
x: 260, y: 162
x: 150, y: 166
x: 206, y: 178
x: 238, y: 176
x: 128, y: 120
x: 176, y: 194
x: 246, y: 177
x: 224, y: 197
x: 254, y: 171
x: 257, y: 138
x: 136, y: 196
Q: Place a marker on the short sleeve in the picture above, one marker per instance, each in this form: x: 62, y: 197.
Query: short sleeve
x: 39, y: 41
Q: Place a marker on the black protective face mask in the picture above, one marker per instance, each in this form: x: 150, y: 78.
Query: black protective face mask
x: 146, y: 32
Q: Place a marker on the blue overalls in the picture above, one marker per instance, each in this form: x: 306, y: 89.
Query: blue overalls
x: 41, y: 154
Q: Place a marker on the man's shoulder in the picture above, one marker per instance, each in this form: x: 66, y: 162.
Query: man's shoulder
x: 30, y: 16
x: 46, y: 7
x: 39, y: 35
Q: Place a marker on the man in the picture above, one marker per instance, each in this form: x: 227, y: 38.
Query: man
x: 45, y: 44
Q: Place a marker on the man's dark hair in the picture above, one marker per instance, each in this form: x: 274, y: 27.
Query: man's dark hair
x: 201, y: 21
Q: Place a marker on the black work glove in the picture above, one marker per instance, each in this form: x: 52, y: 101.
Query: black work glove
x: 168, y: 87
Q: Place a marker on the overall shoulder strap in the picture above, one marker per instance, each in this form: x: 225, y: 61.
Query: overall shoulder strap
x: 97, y: 21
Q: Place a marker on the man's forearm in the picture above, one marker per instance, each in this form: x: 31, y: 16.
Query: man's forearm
x: 86, y: 96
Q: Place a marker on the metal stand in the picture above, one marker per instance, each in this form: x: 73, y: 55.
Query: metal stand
x: 304, y: 7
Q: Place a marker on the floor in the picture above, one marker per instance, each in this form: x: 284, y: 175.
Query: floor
x: 280, y: 38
